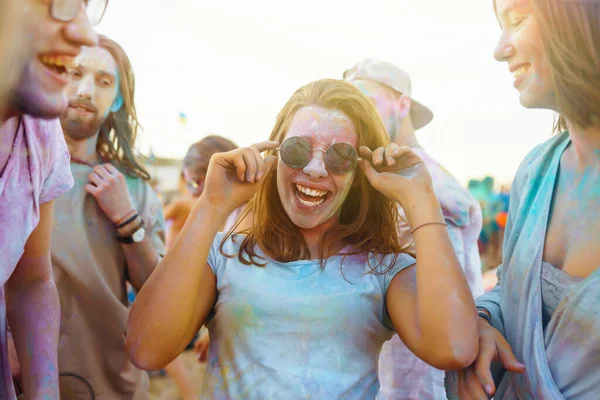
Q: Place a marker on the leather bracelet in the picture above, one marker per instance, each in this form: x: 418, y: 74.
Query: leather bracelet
x: 484, y: 315
x: 428, y: 223
x: 129, y: 220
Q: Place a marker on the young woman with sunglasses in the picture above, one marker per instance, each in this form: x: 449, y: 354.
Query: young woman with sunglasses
x: 300, y: 304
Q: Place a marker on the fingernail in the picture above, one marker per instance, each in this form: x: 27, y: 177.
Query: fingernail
x: 488, y: 389
x: 519, y: 365
x: 390, y: 160
x: 259, y: 176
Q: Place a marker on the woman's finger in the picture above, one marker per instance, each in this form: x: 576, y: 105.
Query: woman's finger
x: 378, y: 155
x: 474, y: 385
x: 266, y: 145
x: 487, y: 352
x: 391, y: 153
x: 260, y: 163
x: 250, y: 161
x: 365, y: 152
x: 236, y: 160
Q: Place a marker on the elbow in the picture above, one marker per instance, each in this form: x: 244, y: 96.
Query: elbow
x: 456, y: 361
x: 458, y: 355
x: 140, y: 355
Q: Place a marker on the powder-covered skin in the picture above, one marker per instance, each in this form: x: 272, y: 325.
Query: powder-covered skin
x: 292, y: 330
x: 37, y: 172
x: 562, y: 361
x: 322, y: 128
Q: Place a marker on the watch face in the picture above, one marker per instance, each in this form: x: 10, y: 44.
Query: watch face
x: 139, y: 235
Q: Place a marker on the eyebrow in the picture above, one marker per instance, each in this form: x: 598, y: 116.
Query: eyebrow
x: 108, y: 74
x: 513, y: 7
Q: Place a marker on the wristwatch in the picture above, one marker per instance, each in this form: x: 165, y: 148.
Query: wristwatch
x: 136, y: 236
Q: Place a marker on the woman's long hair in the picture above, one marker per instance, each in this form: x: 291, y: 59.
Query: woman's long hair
x: 570, y: 31
x: 118, y: 133
x: 368, y: 219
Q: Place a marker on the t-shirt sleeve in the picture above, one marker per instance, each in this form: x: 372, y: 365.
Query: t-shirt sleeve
x: 57, y: 173
x: 154, y: 220
x: 403, y: 261
x: 215, y: 259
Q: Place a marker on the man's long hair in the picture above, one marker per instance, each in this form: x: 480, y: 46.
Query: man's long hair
x: 117, y: 134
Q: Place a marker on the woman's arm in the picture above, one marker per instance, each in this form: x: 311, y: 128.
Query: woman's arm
x: 181, y: 292
x: 430, y: 304
x: 179, y: 295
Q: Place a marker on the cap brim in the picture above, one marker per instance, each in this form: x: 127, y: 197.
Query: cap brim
x: 420, y: 115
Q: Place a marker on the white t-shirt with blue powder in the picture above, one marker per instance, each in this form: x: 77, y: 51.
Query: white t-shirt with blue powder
x: 294, y: 330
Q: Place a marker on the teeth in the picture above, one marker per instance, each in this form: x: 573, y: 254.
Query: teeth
x: 520, y: 71
x: 311, y: 203
x: 311, y: 192
x: 57, y: 61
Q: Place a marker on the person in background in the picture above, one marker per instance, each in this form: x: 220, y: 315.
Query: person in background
x: 34, y: 171
x: 402, y: 374
x: 108, y: 230
x: 541, y: 323
x: 193, y: 175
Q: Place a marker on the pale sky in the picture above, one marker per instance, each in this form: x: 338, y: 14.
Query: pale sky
x: 232, y: 65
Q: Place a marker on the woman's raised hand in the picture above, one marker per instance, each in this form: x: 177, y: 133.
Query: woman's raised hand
x: 397, y: 172
x: 233, y: 177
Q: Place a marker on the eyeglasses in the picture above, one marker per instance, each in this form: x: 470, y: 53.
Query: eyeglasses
x: 340, y: 158
x: 67, y: 10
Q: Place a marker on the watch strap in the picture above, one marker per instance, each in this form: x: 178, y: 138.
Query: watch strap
x: 128, y: 239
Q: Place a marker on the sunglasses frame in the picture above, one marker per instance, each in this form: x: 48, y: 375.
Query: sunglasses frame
x: 94, y: 22
x: 312, y: 149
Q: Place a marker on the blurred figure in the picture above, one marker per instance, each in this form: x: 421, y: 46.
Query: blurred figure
x: 195, y: 164
x: 34, y: 171
x: 402, y: 375
x: 108, y: 230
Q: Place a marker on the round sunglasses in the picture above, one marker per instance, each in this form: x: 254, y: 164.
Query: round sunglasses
x: 340, y: 158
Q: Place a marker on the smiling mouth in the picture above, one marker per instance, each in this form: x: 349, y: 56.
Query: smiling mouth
x: 309, y: 197
x: 517, y: 73
x: 56, y: 64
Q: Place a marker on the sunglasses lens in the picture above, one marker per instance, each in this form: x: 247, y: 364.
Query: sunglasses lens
x: 95, y: 10
x: 65, y: 10
x: 340, y: 158
x: 295, y: 152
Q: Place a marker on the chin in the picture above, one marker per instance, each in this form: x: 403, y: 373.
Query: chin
x: 39, y: 104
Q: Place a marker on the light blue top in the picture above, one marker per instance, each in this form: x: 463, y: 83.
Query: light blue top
x: 562, y: 358
x: 295, y: 331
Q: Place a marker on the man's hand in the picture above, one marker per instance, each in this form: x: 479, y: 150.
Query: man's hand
x: 109, y: 188
x: 476, y: 382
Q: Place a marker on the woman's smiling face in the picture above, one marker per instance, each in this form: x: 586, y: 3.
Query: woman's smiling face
x: 313, y: 196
